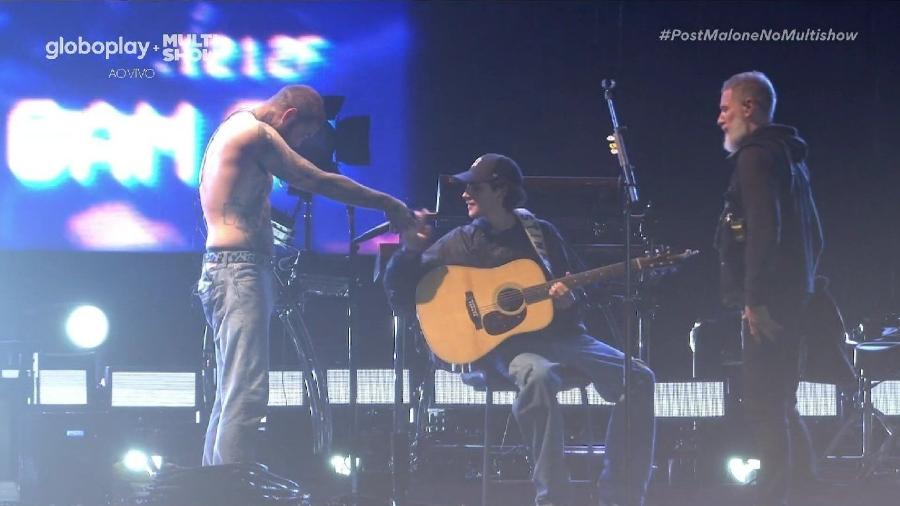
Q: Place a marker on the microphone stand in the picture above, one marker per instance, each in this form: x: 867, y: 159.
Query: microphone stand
x: 400, y: 432
x: 630, y: 198
x: 353, y: 293
x: 400, y: 436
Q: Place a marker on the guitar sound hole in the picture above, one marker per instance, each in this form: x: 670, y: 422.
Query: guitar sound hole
x: 510, y: 299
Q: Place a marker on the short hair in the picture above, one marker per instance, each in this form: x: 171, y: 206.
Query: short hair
x: 754, y: 85
x: 307, y: 101
x: 515, y: 193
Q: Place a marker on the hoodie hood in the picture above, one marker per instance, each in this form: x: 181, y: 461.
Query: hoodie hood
x: 774, y: 133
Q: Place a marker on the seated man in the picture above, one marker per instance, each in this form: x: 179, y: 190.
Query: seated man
x: 534, y: 361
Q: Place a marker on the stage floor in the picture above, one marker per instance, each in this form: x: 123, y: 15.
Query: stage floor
x: 881, y: 491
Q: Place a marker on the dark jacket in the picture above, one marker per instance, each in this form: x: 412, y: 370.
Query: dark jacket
x: 769, y: 237
x: 477, y: 245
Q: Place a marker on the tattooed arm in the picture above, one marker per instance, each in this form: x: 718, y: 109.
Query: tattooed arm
x: 282, y: 161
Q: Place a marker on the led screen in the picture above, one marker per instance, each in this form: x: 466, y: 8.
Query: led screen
x: 107, y: 107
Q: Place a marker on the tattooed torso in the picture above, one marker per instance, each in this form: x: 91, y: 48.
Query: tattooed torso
x: 234, y: 188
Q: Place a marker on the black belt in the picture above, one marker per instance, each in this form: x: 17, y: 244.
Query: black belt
x: 234, y: 257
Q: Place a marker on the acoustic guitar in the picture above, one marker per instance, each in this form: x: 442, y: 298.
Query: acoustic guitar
x: 465, y: 312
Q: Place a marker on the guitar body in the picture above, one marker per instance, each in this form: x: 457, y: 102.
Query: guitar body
x: 465, y: 312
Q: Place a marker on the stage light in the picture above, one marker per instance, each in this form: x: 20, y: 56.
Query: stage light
x: 64, y: 380
x: 341, y: 464
x: 342, y: 139
x: 689, y: 399
x: 137, y: 461
x: 87, y: 327
x: 742, y: 470
x: 146, y: 389
x: 62, y: 387
x: 886, y: 397
x: 817, y: 399
x: 449, y: 389
x: 374, y: 386
x: 285, y: 388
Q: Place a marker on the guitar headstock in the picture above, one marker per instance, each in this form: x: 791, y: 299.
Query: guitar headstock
x: 663, y: 257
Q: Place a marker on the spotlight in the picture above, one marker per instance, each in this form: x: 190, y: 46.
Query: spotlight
x: 742, y: 470
x: 137, y: 461
x: 341, y: 464
x: 341, y: 139
x: 87, y: 327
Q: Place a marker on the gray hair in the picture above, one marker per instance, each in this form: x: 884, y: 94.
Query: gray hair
x: 754, y: 85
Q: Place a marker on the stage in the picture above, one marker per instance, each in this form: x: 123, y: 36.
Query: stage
x: 108, y: 368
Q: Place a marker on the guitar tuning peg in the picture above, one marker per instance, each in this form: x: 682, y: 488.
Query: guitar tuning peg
x: 613, y: 145
x: 662, y: 250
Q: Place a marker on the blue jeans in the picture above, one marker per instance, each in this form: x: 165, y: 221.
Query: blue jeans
x: 236, y: 290
x: 536, y: 364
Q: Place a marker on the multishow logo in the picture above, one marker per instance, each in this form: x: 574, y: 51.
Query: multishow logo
x: 186, y: 46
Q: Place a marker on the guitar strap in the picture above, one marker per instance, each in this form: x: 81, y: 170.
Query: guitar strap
x: 535, y: 235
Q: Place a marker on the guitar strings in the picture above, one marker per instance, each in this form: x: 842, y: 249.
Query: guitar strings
x: 511, y: 297
x: 524, y: 294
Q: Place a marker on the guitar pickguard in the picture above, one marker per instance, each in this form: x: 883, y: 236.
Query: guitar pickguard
x: 496, y: 323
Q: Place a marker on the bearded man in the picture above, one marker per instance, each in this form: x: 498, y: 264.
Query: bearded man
x: 769, y: 240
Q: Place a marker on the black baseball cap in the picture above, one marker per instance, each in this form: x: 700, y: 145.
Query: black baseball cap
x: 491, y: 167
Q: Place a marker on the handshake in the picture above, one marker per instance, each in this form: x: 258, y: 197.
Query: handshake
x: 412, y: 226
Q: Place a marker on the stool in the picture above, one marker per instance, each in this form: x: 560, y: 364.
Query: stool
x: 490, y: 382
x: 875, y: 362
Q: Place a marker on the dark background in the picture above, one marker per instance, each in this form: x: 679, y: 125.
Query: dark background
x: 524, y: 79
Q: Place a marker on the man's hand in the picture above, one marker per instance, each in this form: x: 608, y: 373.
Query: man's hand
x: 761, y: 323
x: 563, y: 298
x: 400, y: 216
x: 417, y: 236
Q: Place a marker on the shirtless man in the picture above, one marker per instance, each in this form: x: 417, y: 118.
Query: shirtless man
x: 236, y: 283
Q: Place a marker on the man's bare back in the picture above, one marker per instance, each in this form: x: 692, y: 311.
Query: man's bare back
x: 235, y: 187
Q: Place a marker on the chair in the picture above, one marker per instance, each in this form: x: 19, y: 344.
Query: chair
x: 490, y: 382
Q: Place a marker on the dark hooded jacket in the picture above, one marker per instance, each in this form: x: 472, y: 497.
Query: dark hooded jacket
x: 769, y: 236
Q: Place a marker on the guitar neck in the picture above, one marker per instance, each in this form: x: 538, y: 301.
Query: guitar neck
x: 541, y: 292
